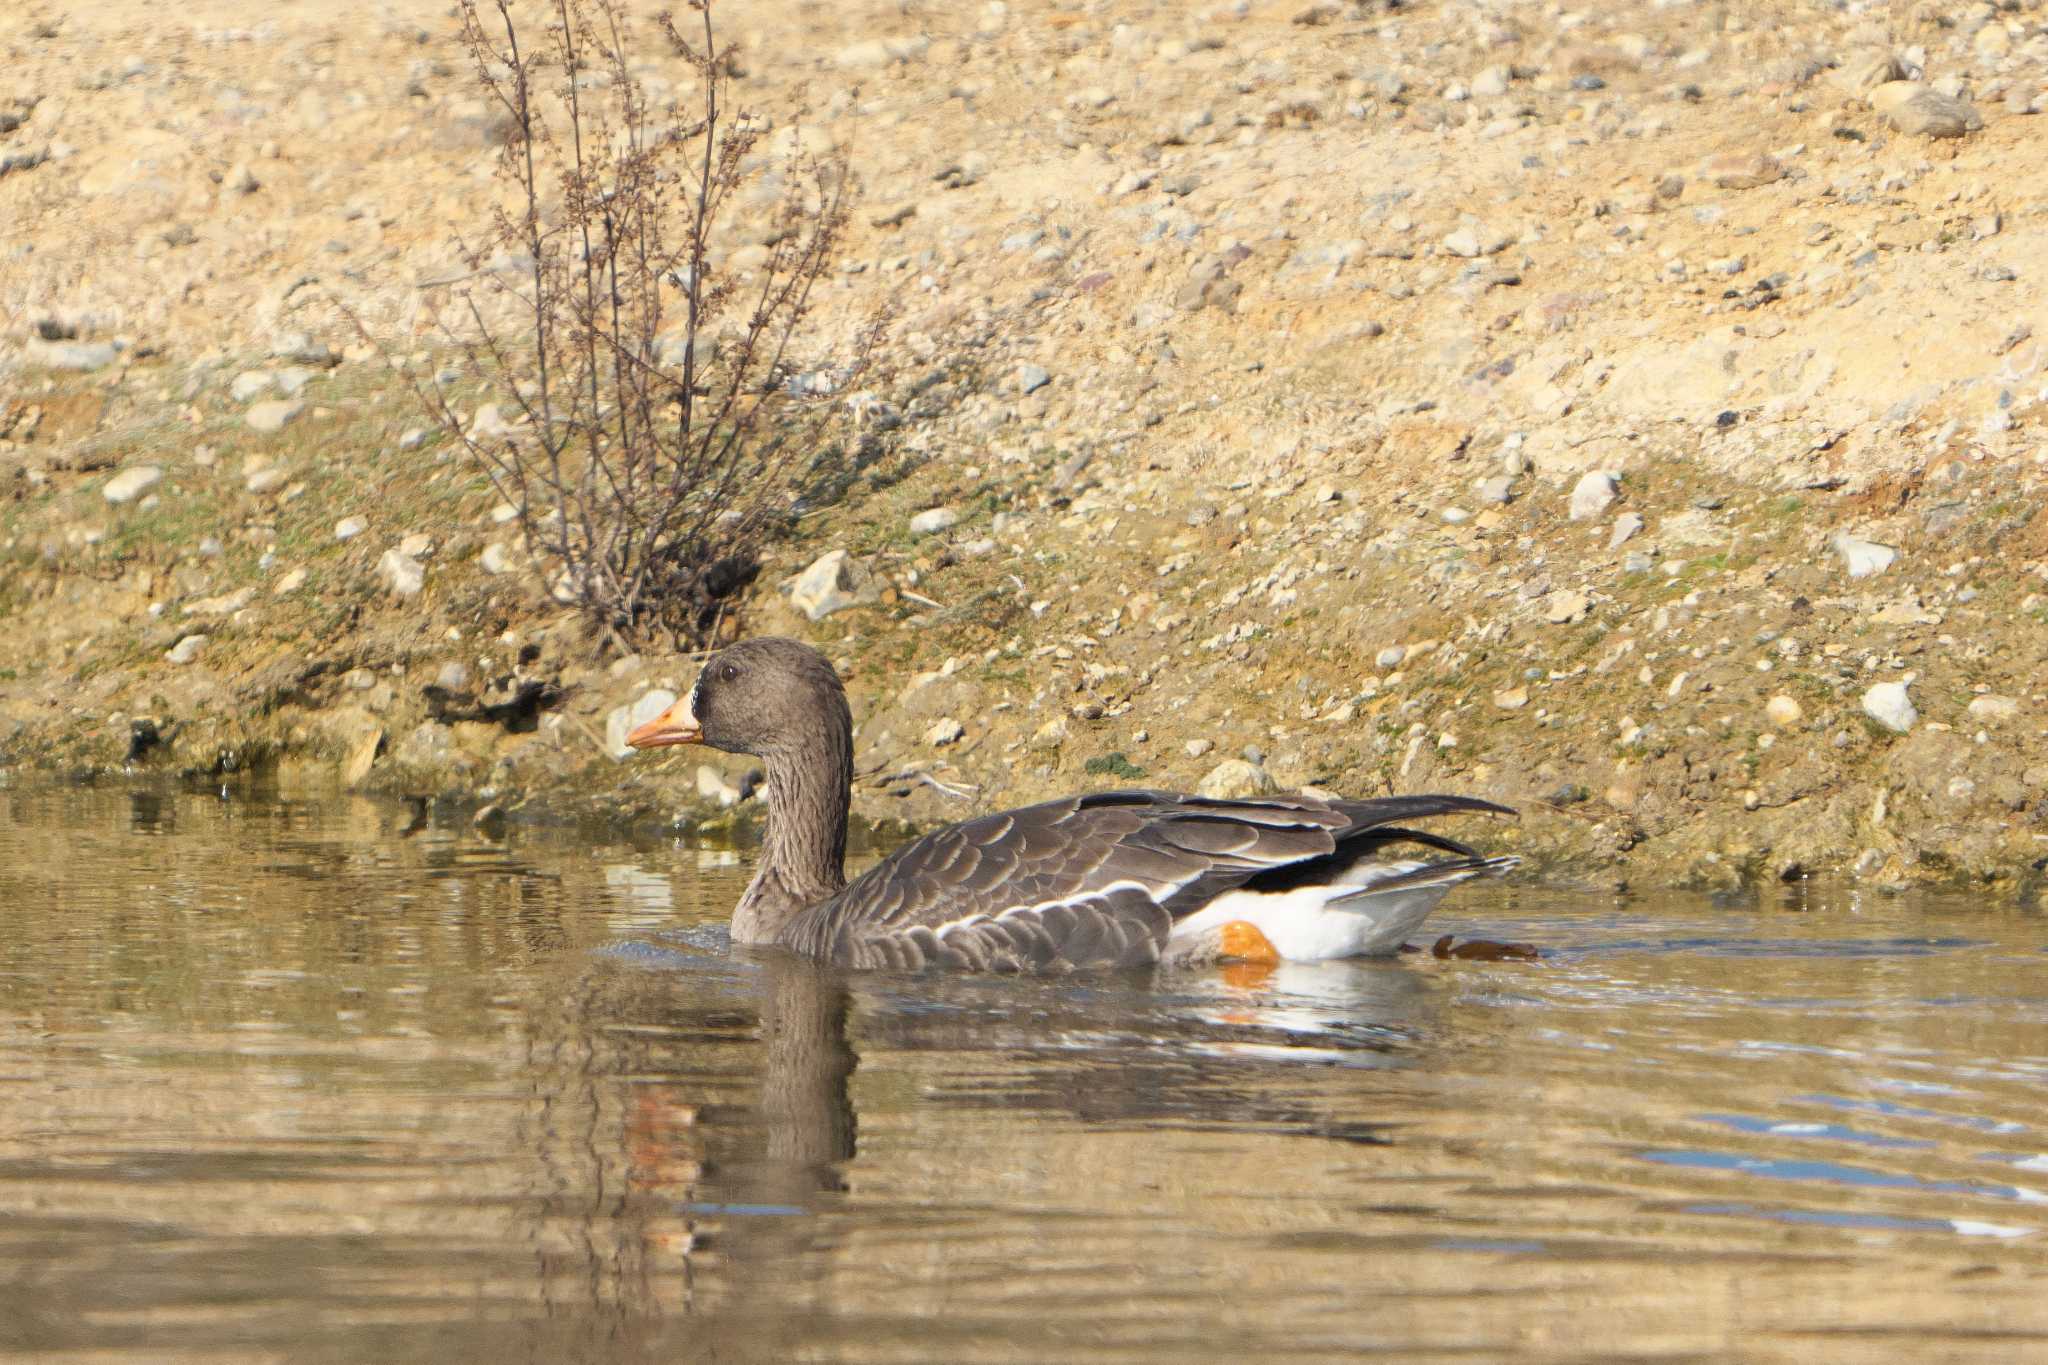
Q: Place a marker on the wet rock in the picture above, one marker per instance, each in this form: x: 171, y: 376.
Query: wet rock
x: 131, y: 483
x: 1889, y: 706
x: 274, y: 415
x: 362, y: 755
x: 1594, y: 493
x: 1863, y: 558
x: 1783, y: 712
x: 1234, y: 779
x: 833, y: 582
x: 624, y: 720
x: 933, y: 520
x: 187, y: 649
x: 401, y: 575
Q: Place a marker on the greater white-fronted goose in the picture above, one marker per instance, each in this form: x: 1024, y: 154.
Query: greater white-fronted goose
x: 1107, y: 879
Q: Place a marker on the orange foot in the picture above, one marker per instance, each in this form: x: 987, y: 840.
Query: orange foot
x: 1248, y: 955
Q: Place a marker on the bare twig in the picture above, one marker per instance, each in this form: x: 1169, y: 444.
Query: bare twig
x: 652, y: 453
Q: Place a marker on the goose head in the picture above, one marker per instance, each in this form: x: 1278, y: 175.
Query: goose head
x: 766, y: 697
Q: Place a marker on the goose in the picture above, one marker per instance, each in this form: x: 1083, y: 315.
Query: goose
x: 1100, y: 880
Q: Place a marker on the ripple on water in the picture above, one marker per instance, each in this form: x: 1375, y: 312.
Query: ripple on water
x: 274, y: 1064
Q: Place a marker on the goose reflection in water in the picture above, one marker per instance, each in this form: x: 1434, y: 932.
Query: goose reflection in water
x: 735, y: 1082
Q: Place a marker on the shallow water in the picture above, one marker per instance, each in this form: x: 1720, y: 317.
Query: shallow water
x: 319, y: 1081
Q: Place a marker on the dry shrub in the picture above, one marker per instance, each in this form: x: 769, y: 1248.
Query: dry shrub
x: 653, y: 411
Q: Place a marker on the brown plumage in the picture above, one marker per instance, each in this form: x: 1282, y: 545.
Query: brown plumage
x: 1100, y: 880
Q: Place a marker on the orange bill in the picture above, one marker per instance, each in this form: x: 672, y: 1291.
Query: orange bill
x: 677, y: 725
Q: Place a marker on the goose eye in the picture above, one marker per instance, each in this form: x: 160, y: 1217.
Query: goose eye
x: 730, y: 672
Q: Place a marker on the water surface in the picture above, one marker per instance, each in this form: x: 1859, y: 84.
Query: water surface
x: 332, y: 1080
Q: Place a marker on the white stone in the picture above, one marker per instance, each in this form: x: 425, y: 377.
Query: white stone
x: 1863, y: 558
x: 933, y: 520
x: 1492, y: 82
x: 1783, y: 712
x: 1234, y: 779
x: 226, y: 604
x: 273, y: 415
x: 943, y: 732
x: 267, y: 480
x: 249, y: 384
x: 187, y: 649
x: 418, y: 545
x: 1889, y: 706
x: 1470, y: 241
x: 713, y: 786
x: 290, y: 583
x: 1593, y: 494
x: 624, y: 720
x: 1563, y: 608
x: 348, y: 528
x: 496, y: 558
x: 1626, y: 527
x: 400, y: 574
x: 487, y: 423
x: 1993, y: 709
x: 131, y: 483
x: 834, y: 582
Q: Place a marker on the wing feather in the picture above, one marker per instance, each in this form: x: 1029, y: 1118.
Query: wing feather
x: 1089, y: 881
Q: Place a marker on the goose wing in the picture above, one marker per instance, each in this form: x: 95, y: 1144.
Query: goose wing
x: 1089, y: 881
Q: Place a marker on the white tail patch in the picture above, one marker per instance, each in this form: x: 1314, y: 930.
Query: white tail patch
x: 1353, y: 916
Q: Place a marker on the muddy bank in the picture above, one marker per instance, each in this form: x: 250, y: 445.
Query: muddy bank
x: 1635, y: 420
